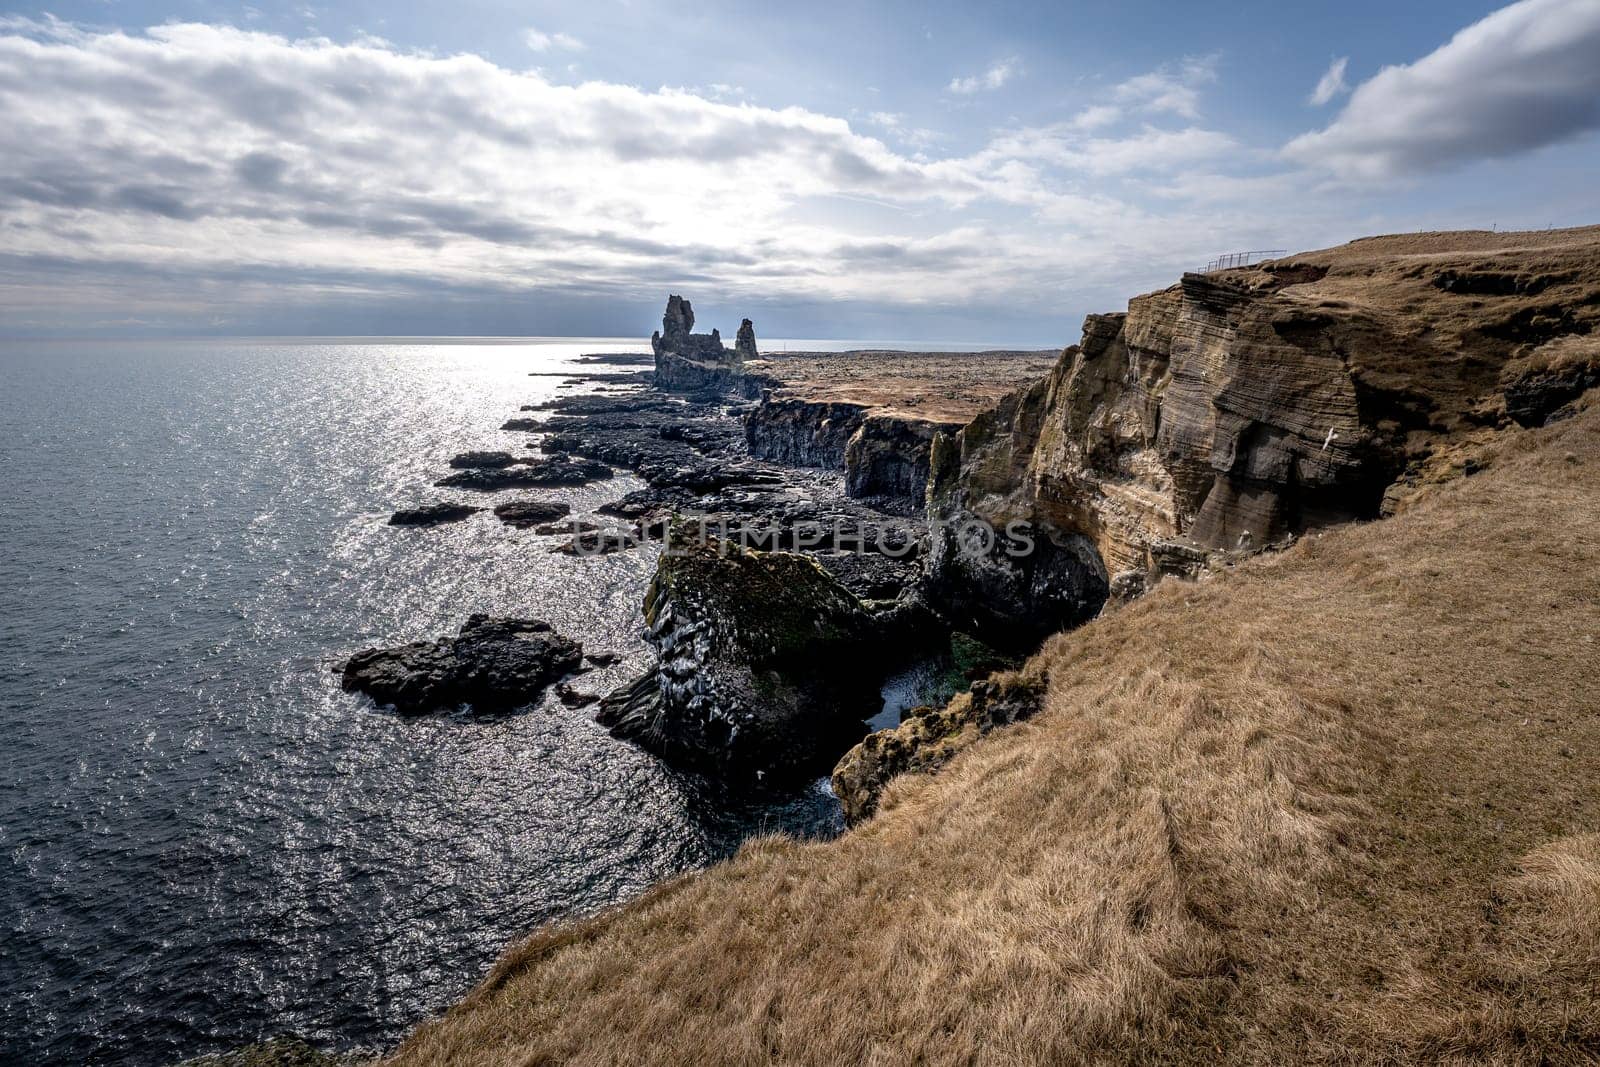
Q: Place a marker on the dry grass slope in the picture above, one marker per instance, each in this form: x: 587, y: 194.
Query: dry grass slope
x: 1335, y: 806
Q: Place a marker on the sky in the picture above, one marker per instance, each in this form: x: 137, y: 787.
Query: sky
x: 892, y: 171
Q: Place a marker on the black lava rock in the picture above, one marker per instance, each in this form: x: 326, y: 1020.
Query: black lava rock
x: 492, y: 664
x: 563, y: 471
x: 431, y: 514
x: 522, y: 513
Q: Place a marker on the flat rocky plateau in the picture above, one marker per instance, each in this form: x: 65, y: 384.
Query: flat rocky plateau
x: 939, y: 387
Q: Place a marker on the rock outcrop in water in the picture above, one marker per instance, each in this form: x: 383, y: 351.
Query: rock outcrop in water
x: 432, y: 514
x: 764, y: 662
x: 696, y: 362
x: 492, y: 664
x: 528, y: 474
x: 523, y: 513
x: 473, y: 460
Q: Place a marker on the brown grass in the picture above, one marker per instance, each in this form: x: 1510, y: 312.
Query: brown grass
x: 933, y: 386
x: 1337, y: 806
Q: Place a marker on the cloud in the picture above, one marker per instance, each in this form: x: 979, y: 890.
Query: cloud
x: 1174, y: 88
x: 1524, y: 77
x: 1096, y: 116
x: 1151, y: 148
x: 1331, y: 84
x: 202, y: 150
x: 993, y: 78
x: 896, y: 125
x: 209, y: 172
x: 540, y: 41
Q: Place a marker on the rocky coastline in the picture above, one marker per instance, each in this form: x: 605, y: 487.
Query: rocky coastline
x: 791, y: 540
x: 811, y: 536
x: 850, y: 512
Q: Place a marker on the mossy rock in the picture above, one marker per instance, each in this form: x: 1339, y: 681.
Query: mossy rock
x: 765, y: 663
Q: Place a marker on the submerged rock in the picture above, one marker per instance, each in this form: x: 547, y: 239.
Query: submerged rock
x: 536, y: 513
x: 432, y: 514
x: 598, y: 542
x: 493, y: 663
x: 765, y: 662
x: 572, y: 526
x: 574, y: 698
x: 561, y: 471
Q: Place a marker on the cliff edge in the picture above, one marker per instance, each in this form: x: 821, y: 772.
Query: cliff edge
x: 1328, y: 804
x: 1333, y: 805
x: 1243, y: 407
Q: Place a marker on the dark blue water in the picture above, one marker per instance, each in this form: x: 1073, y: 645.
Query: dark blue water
x: 202, y: 839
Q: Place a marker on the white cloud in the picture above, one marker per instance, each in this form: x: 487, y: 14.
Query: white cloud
x: 1524, y: 77
x: 540, y: 41
x: 1332, y: 83
x: 1174, y: 88
x: 208, y: 168
x: 1151, y: 148
x: 209, y: 149
x: 993, y: 78
x: 1097, y: 115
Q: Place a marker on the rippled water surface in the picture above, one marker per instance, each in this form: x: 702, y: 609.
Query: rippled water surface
x: 202, y: 839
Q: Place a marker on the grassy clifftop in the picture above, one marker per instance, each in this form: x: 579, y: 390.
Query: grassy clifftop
x: 1334, y: 805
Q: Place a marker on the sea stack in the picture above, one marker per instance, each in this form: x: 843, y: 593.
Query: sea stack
x: 697, y: 362
x: 744, y: 343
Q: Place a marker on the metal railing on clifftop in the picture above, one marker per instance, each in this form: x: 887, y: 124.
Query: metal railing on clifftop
x: 1243, y: 259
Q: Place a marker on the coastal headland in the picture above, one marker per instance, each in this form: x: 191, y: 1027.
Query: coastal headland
x: 1295, y: 762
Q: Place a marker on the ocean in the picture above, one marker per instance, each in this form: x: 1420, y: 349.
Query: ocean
x: 203, y: 840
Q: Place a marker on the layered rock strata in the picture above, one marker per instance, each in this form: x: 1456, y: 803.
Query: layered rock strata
x: 1240, y: 408
x: 1236, y: 410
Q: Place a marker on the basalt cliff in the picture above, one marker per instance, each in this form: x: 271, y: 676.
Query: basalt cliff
x: 872, y: 414
x: 1241, y: 408
x: 1328, y: 803
x: 1233, y: 412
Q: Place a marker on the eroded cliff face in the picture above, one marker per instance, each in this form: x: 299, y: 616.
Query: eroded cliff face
x: 1231, y: 411
x: 889, y: 456
x: 802, y: 432
x: 1240, y: 408
x: 885, y: 456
